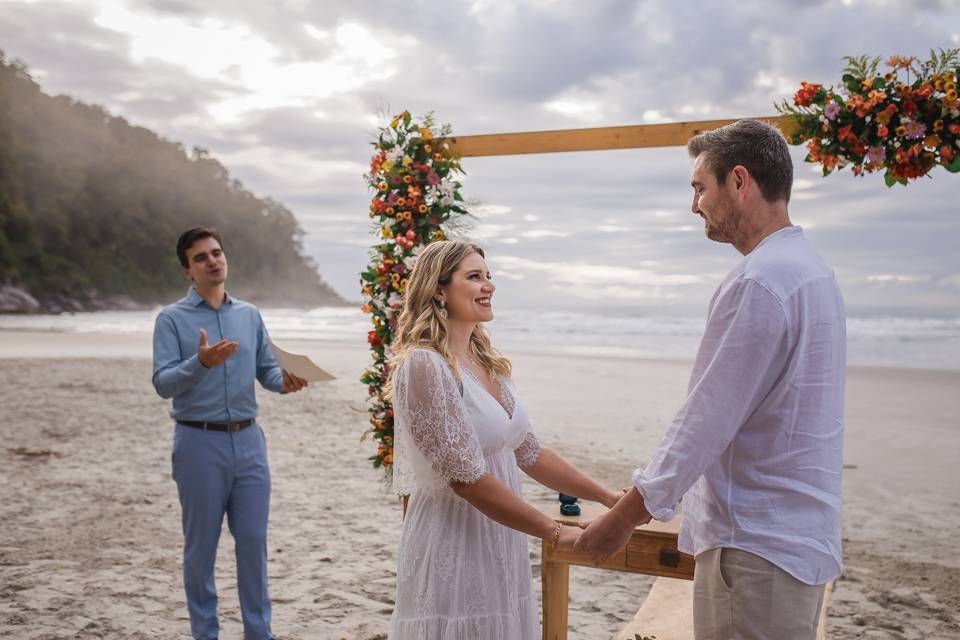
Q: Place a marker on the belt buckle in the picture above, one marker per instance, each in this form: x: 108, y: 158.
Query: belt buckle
x: 233, y: 427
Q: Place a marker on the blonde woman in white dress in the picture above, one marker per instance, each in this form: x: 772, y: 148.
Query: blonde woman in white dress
x: 461, y: 438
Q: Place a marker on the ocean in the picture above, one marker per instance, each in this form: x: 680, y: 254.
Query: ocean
x: 873, y: 340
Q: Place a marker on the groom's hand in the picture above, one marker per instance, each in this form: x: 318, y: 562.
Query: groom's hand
x: 610, y: 532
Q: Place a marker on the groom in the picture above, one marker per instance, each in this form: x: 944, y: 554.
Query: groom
x: 755, y: 450
x: 219, y: 452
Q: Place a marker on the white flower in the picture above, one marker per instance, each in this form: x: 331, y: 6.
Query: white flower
x: 447, y: 201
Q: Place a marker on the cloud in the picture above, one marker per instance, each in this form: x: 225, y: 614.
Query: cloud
x: 287, y: 96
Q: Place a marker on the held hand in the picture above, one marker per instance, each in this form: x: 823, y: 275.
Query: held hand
x: 568, y: 537
x: 292, y: 383
x: 611, y: 497
x: 604, y: 536
x: 215, y: 355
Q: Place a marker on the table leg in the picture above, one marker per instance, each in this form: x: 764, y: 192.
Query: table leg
x: 555, y: 579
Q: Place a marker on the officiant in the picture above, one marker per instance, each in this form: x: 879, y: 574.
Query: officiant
x: 208, y: 348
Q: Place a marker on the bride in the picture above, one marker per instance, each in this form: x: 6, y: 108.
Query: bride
x: 461, y: 435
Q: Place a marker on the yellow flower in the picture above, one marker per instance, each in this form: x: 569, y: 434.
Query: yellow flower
x: 426, y: 134
x: 952, y: 95
x: 407, y: 160
x: 950, y: 86
x: 387, y: 165
x: 387, y: 233
x: 394, y: 123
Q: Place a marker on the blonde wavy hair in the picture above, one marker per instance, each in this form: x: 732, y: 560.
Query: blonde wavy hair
x: 420, y: 323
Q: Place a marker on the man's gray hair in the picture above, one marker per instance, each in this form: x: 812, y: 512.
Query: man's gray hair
x: 755, y: 145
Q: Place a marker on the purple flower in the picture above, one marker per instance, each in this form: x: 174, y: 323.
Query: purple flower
x: 915, y: 130
x: 831, y: 110
x: 876, y: 155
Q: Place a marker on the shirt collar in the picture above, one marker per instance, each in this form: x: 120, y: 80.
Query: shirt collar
x: 780, y: 233
x: 196, y: 299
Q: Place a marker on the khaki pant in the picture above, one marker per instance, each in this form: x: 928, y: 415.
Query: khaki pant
x: 740, y: 596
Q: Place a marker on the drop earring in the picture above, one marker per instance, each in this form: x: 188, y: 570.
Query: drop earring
x: 443, y: 309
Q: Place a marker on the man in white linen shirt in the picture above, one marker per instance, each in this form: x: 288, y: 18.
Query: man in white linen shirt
x: 755, y: 450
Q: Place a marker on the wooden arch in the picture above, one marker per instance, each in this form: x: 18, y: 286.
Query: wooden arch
x: 640, y: 136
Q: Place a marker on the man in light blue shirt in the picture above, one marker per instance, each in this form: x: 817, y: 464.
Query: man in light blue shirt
x: 755, y: 452
x: 219, y: 451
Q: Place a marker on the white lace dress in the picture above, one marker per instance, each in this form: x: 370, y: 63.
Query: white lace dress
x: 460, y: 575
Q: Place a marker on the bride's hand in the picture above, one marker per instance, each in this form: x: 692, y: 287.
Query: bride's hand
x: 612, y: 497
x: 568, y: 537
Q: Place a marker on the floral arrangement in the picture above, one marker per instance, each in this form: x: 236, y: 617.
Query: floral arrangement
x: 416, y: 196
x: 904, y: 122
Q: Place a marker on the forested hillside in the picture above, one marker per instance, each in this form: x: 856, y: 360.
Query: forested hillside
x: 91, y: 208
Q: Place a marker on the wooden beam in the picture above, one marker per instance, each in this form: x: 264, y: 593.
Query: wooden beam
x: 671, y: 134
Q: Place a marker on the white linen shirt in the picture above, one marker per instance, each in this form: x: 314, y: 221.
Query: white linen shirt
x: 756, y: 449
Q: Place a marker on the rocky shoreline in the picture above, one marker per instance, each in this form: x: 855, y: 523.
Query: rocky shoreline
x: 16, y: 299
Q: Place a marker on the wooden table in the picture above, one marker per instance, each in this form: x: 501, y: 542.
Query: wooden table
x: 651, y: 550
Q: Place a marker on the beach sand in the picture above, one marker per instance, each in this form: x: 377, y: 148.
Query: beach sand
x: 91, y: 541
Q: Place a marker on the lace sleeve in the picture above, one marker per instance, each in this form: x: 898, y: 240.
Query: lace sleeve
x: 528, y: 451
x: 432, y: 420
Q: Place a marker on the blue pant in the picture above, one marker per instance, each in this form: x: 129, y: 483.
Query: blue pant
x: 216, y: 473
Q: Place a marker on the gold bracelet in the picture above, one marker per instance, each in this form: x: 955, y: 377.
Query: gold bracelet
x: 556, y: 534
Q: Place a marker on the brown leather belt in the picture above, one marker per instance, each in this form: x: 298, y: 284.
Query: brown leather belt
x: 231, y: 427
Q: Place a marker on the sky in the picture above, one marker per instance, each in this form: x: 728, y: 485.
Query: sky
x: 288, y: 94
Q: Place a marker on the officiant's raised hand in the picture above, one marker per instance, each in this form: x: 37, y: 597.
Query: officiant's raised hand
x: 610, y: 532
x: 214, y: 355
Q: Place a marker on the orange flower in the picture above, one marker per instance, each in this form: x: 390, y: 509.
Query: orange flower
x: 900, y: 131
x: 938, y: 125
x: 932, y: 142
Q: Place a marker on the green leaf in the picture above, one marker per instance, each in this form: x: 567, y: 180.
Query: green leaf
x: 889, y: 179
x: 953, y: 167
